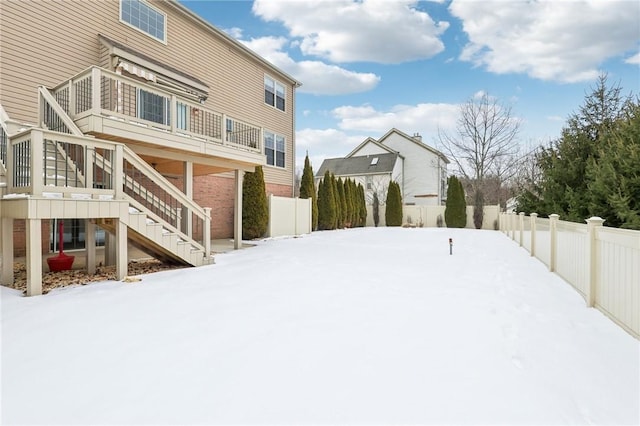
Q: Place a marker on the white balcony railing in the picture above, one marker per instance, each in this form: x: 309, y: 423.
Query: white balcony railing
x: 97, y: 91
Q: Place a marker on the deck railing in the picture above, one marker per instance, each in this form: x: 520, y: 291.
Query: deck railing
x: 601, y: 263
x: 79, y: 166
x: 99, y: 91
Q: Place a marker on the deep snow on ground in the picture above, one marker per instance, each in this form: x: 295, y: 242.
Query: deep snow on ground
x: 363, y: 326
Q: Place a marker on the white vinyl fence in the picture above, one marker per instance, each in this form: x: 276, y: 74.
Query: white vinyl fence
x: 601, y: 263
x: 427, y: 216
x: 289, y: 216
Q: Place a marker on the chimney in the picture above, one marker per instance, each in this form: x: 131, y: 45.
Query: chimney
x: 417, y: 137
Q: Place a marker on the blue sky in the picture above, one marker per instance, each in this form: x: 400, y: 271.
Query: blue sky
x: 369, y: 65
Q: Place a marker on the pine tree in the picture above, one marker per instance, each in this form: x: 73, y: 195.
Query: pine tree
x: 455, y: 213
x: 308, y: 190
x: 326, y: 204
x: 614, y: 188
x: 255, y: 210
x: 393, y: 210
x: 564, y: 184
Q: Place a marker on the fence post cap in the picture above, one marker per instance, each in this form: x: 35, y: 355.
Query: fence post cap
x: 596, y: 220
x: 533, y: 214
x: 521, y: 213
x: 554, y: 216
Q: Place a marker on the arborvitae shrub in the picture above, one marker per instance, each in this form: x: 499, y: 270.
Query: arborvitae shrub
x: 455, y: 213
x: 393, y: 210
x: 376, y: 209
x: 362, y: 206
x: 348, y: 221
x: 336, y: 196
x: 343, y: 202
x: 308, y: 190
x: 326, y: 204
x: 255, y: 210
x: 478, y: 209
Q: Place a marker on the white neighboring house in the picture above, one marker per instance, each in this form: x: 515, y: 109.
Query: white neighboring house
x: 420, y: 169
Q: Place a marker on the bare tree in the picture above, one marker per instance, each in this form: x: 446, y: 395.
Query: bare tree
x: 483, y: 144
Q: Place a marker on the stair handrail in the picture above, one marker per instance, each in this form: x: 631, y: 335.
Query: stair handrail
x: 49, y: 99
x: 46, y: 98
x: 151, y: 173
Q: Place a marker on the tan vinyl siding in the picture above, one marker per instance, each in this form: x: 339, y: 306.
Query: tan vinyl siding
x: 47, y: 42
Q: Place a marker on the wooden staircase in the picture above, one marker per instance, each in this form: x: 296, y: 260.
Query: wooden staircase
x: 152, y: 237
x: 161, y: 220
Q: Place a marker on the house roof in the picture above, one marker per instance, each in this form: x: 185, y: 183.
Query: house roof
x: 413, y: 139
x: 416, y: 140
x: 372, y: 141
x: 359, y: 166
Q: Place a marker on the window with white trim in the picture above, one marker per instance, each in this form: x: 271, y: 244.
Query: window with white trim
x: 153, y: 107
x: 274, y: 93
x: 274, y: 149
x: 144, y: 17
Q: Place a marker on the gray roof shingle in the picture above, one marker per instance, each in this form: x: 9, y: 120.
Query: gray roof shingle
x: 358, y: 166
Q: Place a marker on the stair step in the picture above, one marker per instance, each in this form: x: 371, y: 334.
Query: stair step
x: 170, y: 240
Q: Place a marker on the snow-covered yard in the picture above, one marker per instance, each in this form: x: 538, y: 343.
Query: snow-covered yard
x: 363, y: 326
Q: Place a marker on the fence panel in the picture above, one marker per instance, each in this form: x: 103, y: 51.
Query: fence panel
x: 572, y: 263
x: 526, y: 234
x: 289, y: 216
x: 543, y: 241
x: 618, y: 276
x: 602, y: 264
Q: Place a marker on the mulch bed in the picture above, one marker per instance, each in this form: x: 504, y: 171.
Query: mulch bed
x: 52, y: 280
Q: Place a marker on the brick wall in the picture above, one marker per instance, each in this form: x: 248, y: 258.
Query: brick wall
x: 212, y: 191
x: 218, y: 193
x: 20, y: 237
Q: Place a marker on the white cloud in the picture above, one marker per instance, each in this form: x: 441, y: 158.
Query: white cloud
x: 316, y: 77
x: 234, y: 32
x: 322, y: 144
x: 342, y: 31
x: 479, y: 94
x: 356, y: 123
x: 635, y: 59
x: 331, y: 140
x: 422, y: 118
x: 562, y: 41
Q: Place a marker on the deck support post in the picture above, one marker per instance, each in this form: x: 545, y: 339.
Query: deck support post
x: 237, y: 211
x: 34, y: 256
x: 121, y: 249
x: 90, y: 246
x: 109, y: 249
x: 6, y: 236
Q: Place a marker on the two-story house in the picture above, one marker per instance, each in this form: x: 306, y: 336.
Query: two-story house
x: 134, y: 120
x: 420, y: 170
